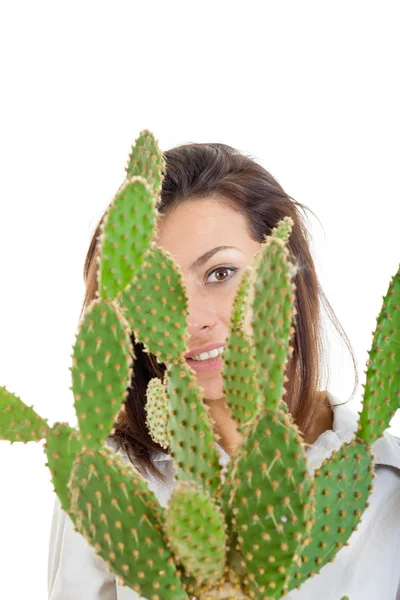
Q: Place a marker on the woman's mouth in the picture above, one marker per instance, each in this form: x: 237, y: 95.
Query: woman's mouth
x: 205, y: 365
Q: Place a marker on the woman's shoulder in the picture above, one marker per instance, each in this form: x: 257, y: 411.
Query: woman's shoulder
x: 386, y: 451
x: 74, y: 568
x: 386, y: 483
x: 384, y: 499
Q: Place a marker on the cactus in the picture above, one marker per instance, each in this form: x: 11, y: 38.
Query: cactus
x: 267, y: 525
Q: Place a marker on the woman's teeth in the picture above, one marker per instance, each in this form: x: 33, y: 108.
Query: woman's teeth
x: 208, y: 355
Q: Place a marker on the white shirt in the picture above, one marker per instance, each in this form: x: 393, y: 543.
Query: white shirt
x: 368, y: 569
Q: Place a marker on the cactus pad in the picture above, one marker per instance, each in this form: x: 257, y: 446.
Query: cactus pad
x: 343, y: 485
x: 239, y: 374
x: 19, y: 422
x: 195, y: 526
x: 271, y: 500
x: 123, y: 244
x: 61, y: 447
x: 190, y: 432
x: 122, y: 519
x: 382, y: 388
x: 101, y: 371
x: 155, y: 306
x: 147, y: 161
x: 273, y: 312
x: 157, y: 410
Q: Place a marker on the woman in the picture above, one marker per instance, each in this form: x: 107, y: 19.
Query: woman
x: 216, y: 207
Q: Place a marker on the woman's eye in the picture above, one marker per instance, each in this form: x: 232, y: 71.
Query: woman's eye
x: 218, y: 272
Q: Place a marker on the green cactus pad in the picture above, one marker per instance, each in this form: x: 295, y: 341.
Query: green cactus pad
x: 123, y: 244
x: 195, y: 527
x: 155, y: 306
x: 271, y: 500
x: 157, y: 409
x: 146, y: 160
x: 190, y: 431
x: 19, y: 422
x: 242, y: 300
x: 239, y: 367
x: 101, y: 371
x: 61, y: 447
x: 273, y: 312
x: 239, y: 377
x: 343, y: 485
x: 283, y: 229
x: 121, y: 518
x: 382, y: 388
x: 238, y: 370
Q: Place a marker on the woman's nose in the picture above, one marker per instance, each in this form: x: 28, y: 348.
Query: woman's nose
x: 202, y: 314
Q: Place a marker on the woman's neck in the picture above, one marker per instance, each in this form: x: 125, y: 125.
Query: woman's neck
x: 323, y: 422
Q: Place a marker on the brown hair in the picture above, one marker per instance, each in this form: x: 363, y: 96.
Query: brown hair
x: 199, y: 170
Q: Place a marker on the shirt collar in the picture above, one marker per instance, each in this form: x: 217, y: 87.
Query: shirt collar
x: 386, y: 450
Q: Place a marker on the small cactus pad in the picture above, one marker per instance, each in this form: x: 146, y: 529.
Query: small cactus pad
x: 101, y: 371
x: 157, y: 409
x: 283, y: 229
x: 382, y: 388
x: 155, y: 306
x: 271, y: 500
x: 61, y: 447
x: 123, y: 243
x: 343, y: 484
x: 241, y: 302
x: 146, y: 160
x: 240, y: 377
x: 190, y: 432
x: 195, y: 527
x: 273, y: 312
x: 239, y: 367
x: 238, y: 370
x: 19, y: 422
x: 120, y: 516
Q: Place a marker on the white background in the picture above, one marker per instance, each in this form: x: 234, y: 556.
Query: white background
x: 310, y: 89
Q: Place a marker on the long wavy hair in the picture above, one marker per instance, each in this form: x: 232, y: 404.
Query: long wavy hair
x: 199, y: 170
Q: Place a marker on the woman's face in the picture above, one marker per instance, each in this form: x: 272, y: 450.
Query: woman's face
x: 191, y: 230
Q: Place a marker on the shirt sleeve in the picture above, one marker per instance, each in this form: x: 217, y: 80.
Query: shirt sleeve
x: 75, y: 571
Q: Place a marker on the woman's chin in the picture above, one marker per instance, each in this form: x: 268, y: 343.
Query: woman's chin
x: 212, y: 393
x: 211, y: 384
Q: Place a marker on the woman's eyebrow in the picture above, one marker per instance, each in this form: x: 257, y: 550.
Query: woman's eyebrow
x: 207, y: 255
